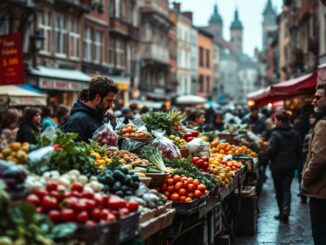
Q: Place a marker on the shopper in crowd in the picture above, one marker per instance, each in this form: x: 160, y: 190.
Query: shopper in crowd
x: 255, y: 120
x: 30, y: 126
x: 127, y: 114
x: 314, y: 172
x: 285, y: 153
x: 218, y: 123
x: 135, y: 110
x: 47, y: 121
x: 61, y: 113
x: 197, y: 120
x: 9, y: 125
x: 86, y: 117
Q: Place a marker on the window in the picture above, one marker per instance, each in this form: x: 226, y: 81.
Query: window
x: 98, y: 44
x: 112, y: 7
x: 208, y: 58
x: 74, y: 38
x: 208, y: 84
x: 122, y: 9
x: 60, y: 36
x: 111, y: 51
x: 116, y: 7
x: 45, y: 26
x: 87, y: 44
x: 201, y: 56
x: 121, y: 53
x: 201, y: 84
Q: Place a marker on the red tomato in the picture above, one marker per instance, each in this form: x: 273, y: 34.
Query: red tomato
x: 81, y: 205
x: 188, y: 139
x: 204, y: 165
x: 169, y: 182
x: 176, y: 178
x: 77, y: 187
x: 49, y: 203
x: 191, y: 187
x: 170, y: 188
x: 67, y: 215
x: 90, y: 223
x: 132, y: 206
x: 90, y: 205
x: 196, y: 182
x: 182, y: 192
x: 197, y: 194
x: 182, y: 198
x: 40, y: 193
x: 167, y: 194
x: 82, y: 217
x: 116, y: 203
x: 175, y: 197
x: 56, y: 195
x: 202, y: 188
x: 104, y: 214
x: 164, y: 187
x: 33, y: 199
x: 52, y: 186
x: 88, y: 195
x: 178, y: 186
x: 199, y: 162
x: 188, y: 199
x: 124, y: 212
x: 69, y: 202
x: 194, y: 160
x: 195, y: 133
x: 96, y: 214
x: 190, y: 194
x: 105, y: 200
x: 54, y: 215
x: 187, y: 135
x: 111, y: 217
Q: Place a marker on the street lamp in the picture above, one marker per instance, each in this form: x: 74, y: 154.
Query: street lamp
x: 37, y: 41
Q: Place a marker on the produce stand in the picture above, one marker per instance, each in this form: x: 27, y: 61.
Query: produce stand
x: 170, y: 190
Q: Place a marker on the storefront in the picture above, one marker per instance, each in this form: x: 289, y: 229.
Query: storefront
x: 61, y: 85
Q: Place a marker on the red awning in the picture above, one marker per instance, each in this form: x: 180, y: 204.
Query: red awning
x: 283, y: 90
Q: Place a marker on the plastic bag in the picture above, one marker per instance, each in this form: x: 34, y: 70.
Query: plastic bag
x: 37, y: 160
x: 131, y: 145
x: 135, y: 129
x: 105, y: 135
x: 198, y: 147
x: 167, y: 147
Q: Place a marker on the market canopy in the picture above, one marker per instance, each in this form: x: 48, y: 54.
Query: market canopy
x: 21, y: 95
x: 190, y: 99
x: 283, y: 90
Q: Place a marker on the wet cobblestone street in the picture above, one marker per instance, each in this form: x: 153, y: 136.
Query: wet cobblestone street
x: 271, y: 231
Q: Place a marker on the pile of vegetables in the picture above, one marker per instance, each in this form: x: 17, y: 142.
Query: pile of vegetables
x: 154, y: 155
x: 22, y: 225
x: 13, y: 176
x: 159, y: 120
x: 119, y: 180
x: 128, y: 157
x: 184, y: 167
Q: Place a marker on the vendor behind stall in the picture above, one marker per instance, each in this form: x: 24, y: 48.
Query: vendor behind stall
x: 87, y: 114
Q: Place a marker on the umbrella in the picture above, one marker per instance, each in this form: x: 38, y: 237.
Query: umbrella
x: 190, y: 99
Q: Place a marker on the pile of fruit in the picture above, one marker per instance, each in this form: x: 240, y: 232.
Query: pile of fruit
x: 100, y: 161
x: 227, y: 148
x: 201, y: 163
x: 15, y: 152
x: 79, y: 206
x: 244, y: 150
x: 191, y: 135
x: 130, y: 131
x: 106, y: 137
x: 182, y: 189
x: 119, y: 181
x: 179, y: 142
x: 128, y: 157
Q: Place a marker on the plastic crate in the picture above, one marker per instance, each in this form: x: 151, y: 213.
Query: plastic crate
x: 93, y: 235
x: 189, y: 207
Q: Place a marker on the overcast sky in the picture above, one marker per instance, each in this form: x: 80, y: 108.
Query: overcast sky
x: 250, y: 13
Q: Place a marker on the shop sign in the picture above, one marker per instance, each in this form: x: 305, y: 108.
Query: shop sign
x: 11, y: 59
x: 53, y: 84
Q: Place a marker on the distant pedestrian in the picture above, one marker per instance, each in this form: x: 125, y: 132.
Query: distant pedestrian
x: 218, y: 123
x: 47, y: 121
x: 9, y: 125
x: 255, y: 120
x: 62, y: 114
x: 197, y: 120
x: 285, y: 152
x: 314, y: 171
x: 30, y: 126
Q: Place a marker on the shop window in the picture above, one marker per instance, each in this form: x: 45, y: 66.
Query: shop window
x: 201, y: 56
x: 98, y: 44
x: 60, y: 36
x: 121, y: 53
x: 201, y: 84
x: 87, y: 44
x: 208, y: 84
x: 45, y: 26
x: 74, y: 39
x: 208, y: 58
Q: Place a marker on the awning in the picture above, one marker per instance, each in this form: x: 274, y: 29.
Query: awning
x: 22, y: 95
x: 284, y: 90
x: 64, y: 74
x: 190, y: 99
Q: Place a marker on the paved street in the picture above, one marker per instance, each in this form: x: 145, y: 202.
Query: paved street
x: 271, y: 231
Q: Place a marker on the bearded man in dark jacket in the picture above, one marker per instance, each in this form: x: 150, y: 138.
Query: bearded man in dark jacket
x: 87, y: 114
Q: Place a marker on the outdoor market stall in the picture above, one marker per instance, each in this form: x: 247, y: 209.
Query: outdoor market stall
x: 150, y: 178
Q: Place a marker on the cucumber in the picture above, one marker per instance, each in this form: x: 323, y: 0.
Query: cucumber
x: 118, y: 175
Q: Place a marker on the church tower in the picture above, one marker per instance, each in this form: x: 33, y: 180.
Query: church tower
x: 236, y: 31
x: 216, y: 23
x: 269, y: 22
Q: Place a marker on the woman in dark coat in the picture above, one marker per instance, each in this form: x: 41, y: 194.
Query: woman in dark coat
x: 285, y: 152
x: 217, y: 123
x: 30, y: 126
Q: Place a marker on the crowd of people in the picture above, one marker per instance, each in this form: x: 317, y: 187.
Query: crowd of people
x: 291, y: 141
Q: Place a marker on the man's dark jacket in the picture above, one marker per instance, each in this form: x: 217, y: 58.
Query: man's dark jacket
x: 284, y: 148
x: 83, y: 120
